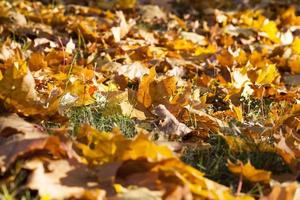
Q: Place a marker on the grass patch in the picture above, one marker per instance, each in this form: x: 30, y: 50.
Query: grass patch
x: 212, y: 161
x: 93, y: 115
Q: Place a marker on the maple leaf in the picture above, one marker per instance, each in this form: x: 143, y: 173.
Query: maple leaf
x: 250, y: 172
x: 143, y: 94
x: 267, y: 75
x: 66, y: 179
x: 229, y: 73
x: 30, y: 140
x: 111, y: 147
x: 18, y: 89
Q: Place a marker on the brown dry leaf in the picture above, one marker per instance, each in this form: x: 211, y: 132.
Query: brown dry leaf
x: 139, y: 193
x: 20, y: 138
x: 55, y: 58
x: 250, y: 172
x: 121, y: 31
x: 64, y: 179
x: 205, y: 121
x: 285, y: 191
x: 88, y: 29
x: 11, y: 151
x: 37, y: 61
x: 225, y: 59
x: 292, y: 80
x: 169, y: 124
x: 194, y: 37
x: 285, y: 151
x: 133, y: 70
x: 151, y: 13
x: 12, y: 124
x: 177, y: 180
x: 128, y: 110
x: 143, y: 94
x: 162, y: 91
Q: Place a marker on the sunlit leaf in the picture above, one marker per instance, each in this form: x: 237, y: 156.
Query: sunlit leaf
x: 250, y: 172
x: 143, y: 94
x: 267, y: 75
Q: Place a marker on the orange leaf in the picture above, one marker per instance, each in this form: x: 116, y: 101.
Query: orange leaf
x: 143, y: 94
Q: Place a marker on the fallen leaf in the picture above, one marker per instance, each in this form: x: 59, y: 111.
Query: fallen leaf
x: 249, y: 172
x: 181, y: 44
x: 37, y: 61
x: 267, y: 74
x: 70, y: 46
x: 20, y: 139
x: 152, y: 12
x: 194, y: 37
x: 12, y: 124
x: 285, y: 191
x: 143, y: 94
x: 285, y: 151
x: 121, y: 31
x: 134, y: 70
x: 63, y: 179
x: 296, y: 45
x: 138, y: 193
x: 17, y: 89
x: 115, y: 147
x: 270, y: 28
x: 169, y: 124
x: 129, y: 110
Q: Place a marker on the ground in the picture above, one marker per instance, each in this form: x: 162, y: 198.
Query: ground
x: 172, y: 99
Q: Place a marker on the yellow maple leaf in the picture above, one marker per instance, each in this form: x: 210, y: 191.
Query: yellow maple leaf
x: 143, y: 93
x: 249, y: 172
x: 110, y: 147
x: 115, y: 147
x: 267, y: 74
x: 17, y: 89
x: 270, y: 28
x: 79, y: 89
x: 296, y: 45
x: 181, y: 44
x: 205, y: 50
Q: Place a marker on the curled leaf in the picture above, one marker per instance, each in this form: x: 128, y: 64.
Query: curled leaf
x: 169, y: 124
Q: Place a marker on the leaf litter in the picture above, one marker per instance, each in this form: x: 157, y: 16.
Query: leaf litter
x: 149, y: 99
